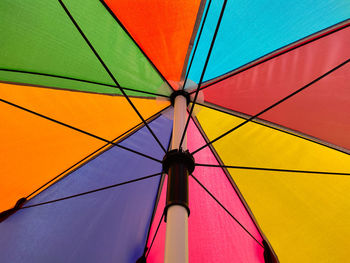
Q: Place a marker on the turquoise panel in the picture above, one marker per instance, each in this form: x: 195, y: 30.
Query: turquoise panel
x: 251, y: 29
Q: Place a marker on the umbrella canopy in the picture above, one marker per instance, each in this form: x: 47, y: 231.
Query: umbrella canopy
x: 85, y: 102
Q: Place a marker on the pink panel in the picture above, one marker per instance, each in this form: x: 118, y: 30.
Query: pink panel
x: 213, y: 235
x: 261, y: 86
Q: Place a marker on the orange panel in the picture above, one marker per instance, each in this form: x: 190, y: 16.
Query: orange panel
x: 163, y: 29
x: 33, y: 150
x: 103, y: 115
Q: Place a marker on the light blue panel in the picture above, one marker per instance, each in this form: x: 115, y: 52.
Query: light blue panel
x: 252, y: 29
x: 106, y: 226
x: 205, y: 40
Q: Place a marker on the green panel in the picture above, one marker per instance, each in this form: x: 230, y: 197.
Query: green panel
x: 118, y: 51
x: 22, y: 78
x: 38, y: 36
x: 54, y: 82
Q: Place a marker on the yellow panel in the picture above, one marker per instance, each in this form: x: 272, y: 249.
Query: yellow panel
x: 103, y: 115
x: 33, y: 150
x: 306, y: 217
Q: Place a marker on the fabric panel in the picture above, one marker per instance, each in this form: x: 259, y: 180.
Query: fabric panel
x: 106, y: 226
x: 250, y: 30
x: 320, y: 110
x: 163, y: 29
x: 117, y: 50
x: 33, y: 150
x: 308, y: 211
x: 156, y: 254
x: 102, y: 115
x: 39, y: 37
x: 45, y: 149
x: 213, y: 235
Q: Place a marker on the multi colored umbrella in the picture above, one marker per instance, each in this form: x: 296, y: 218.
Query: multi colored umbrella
x: 86, y: 100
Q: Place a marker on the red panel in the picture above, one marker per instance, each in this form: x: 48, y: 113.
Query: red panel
x: 213, y: 235
x: 163, y: 29
x: 322, y: 110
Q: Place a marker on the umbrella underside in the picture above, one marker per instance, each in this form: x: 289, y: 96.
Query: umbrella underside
x: 85, y: 103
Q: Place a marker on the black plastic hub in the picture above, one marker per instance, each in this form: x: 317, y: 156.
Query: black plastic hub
x: 178, y: 165
x: 178, y: 156
x: 181, y: 93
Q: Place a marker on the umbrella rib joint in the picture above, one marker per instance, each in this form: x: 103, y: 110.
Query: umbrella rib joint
x: 178, y: 163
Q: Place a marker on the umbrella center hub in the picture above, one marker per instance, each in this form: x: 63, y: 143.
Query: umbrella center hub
x: 179, y: 93
x: 178, y: 157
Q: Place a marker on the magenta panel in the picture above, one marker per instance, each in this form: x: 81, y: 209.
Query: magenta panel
x: 321, y: 110
x: 213, y: 235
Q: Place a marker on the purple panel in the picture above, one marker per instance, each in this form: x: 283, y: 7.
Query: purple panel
x: 106, y: 226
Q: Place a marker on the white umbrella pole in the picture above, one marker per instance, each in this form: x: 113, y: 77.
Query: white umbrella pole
x: 180, y: 118
x: 176, y: 240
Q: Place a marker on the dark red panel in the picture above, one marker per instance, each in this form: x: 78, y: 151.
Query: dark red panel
x: 322, y: 110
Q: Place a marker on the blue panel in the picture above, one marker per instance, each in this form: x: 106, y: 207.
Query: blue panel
x: 251, y: 29
x: 106, y: 226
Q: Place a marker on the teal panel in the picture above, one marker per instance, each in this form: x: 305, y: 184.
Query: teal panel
x: 252, y: 29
